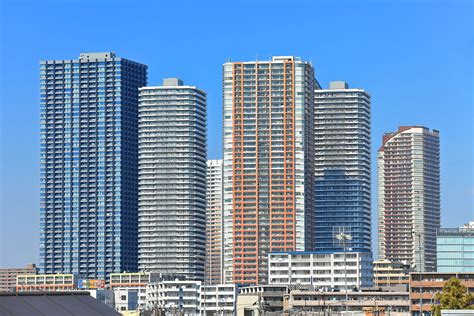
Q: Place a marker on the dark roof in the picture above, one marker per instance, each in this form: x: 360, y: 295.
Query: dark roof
x: 52, y: 304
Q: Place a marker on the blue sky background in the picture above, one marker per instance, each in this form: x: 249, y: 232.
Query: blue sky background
x: 414, y: 57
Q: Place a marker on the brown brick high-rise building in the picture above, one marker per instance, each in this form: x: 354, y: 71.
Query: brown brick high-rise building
x: 268, y: 163
x: 409, y: 196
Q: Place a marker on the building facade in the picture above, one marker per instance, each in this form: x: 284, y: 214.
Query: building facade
x: 323, y: 270
x: 268, y: 163
x: 455, y: 249
x: 342, y: 167
x: 8, y: 276
x: 178, y: 297
x: 45, y: 282
x: 424, y: 286
x: 409, y: 196
x: 89, y: 164
x: 214, y: 223
x: 391, y: 274
x: 218, y: 299
x: 172, y: 179
x: 366, y: 303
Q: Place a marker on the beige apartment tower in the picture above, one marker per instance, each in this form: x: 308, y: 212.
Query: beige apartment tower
x: 214, y: 222
x: 409, y: 196
x: 268, y: 163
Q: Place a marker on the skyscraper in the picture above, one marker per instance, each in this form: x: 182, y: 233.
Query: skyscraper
x: 214, y: 223
x: 172, y: 179
x: 342, y: 167
x: 409, y: 196
x: 268, y: 163
x: 89, y: 164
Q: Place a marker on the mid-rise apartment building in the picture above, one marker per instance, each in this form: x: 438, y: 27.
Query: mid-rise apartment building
x: 175, y: 297
x: 323, y: 270
x: 424, y: 286
x: 214, y: 223
x: 391, y: 273
x: 218, y: 299
x: 268, y: 163
x: 342, y: 167
x: 172, y: 179
x: 455, y: 249
x: 89, y: 164
x: 8, y: 276
x: 409, y: 196
x: 45, y: 282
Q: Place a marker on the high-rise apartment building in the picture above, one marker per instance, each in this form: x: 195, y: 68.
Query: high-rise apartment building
x: 342, y: 167
x: 89, y: 164
x: 268, y: 163
x: 172, y: 180
x: 214, y: 223
x: 409, y: 196
x: 455, y: 249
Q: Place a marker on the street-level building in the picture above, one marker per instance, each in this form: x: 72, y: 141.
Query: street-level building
x: 89, y: 164
x: 260, y: 300
x: 324, y: 270
x: 8, y: 276
x: 130, y: 289
x: 455, y: 249
x: 409, y: 196
x: 214, y: 223
x: 367, y: 303
x: 172, y: 179
x: 218, y: 299
x: 268, y: 109
x: 424, y: 286
x: 391, y: 274
x: 342, y: 117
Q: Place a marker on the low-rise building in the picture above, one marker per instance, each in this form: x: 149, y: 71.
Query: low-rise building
x: 219, y: 299
x: 130, y: 289
x: 329, y: 270
x: 257, y: 300
x: 45, y: 282
x: 358, y: 302
x: 174, y: 297
x: 8, y: 276
x: 424, y: 286
x: 455, y: 249
x: 391, y: 273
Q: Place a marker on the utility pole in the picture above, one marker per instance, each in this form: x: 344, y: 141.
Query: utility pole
x: 419, y: 234
x: 344, y: 237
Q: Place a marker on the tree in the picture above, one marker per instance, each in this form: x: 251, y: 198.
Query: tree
x: 453, y: 296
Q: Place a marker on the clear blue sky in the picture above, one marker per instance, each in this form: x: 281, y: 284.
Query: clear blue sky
x: 414, y: 57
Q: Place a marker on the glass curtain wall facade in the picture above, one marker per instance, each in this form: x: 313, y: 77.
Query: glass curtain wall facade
x: 89, y: 164
x: 214, y: 223
x: 268, y: 163
x: 172, y: 180
x: 455, y: 249
x: 409, y: 197
x: 342, y: 167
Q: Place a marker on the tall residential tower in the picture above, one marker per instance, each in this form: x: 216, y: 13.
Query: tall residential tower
x: 342, y: 167
x: 268, y: 163
x: 172, y: 179
x: 89, y: 164
x: 409, y: 196
x: 214, y: 223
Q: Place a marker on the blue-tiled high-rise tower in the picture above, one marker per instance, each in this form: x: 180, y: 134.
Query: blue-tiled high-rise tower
x: 342, y: 168
x: 89, y: 164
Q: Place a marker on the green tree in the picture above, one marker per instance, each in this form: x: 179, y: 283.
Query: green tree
x: 453, y: 296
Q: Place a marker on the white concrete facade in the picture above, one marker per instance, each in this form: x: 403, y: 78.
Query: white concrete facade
x: 320, y: 269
